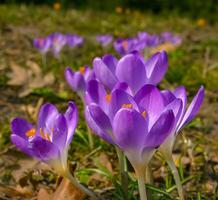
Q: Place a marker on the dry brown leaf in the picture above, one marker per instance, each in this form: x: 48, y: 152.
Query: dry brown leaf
x: 104, y: 160
x: 44, y: 195
x: 29, y: 78
x: 67, y: 191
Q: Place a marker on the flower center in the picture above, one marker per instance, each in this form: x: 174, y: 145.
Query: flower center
x: 82, y: 70
x: 125, y: 44
x: 40, y: 40
x: 108, y: 98
x: 31, y: 132
x: 45, y: 136
x: 127, y: 105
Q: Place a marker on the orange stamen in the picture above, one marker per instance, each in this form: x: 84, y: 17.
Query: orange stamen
x: 144, y: 114
x: 108, y: 98
x: 47, y: 137
x: 82, y: 70
x: 125, y: 44
x: 31, y: 132
x: 127, y: 105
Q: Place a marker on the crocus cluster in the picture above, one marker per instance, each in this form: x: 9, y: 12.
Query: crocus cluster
x: 123, y: 106
x: 145, y: 41
x: 56, y: 41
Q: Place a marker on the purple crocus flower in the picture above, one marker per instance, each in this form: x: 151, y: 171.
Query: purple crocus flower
x: 42, y: 44
x: 78, y: 80
x: 74, y: 40
x: 184, y: 116
x: 58, y: 41
x: 49, y: 140
x: 131, y: 69
x: 104, y: 40
x: 120, y: 120
x: 147, y: 39
x: 168, y: 37
x: 126, y: 46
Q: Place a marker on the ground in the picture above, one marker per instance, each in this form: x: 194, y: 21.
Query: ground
x: 192, y: 64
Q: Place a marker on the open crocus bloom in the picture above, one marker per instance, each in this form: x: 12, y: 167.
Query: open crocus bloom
x: 42, y: 44
x: 131, y: 69
x: 74, y: 40
x: 185, y: 115
x: 147, y: 39
x: 78, y: 80
x: 126, y: 45
x: 58, y: 41
x: 120, y: 120
x: 104, y: 40
x: 49, y: 140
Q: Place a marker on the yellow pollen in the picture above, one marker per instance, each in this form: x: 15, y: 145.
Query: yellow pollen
x: 41, y: 133
x: 31, y: 132
x: 82, y: 70
x: 127, y: 105
x: 125, y: 44
x: 47, y: 137
x: 144, y: 114
x: 108, y: 98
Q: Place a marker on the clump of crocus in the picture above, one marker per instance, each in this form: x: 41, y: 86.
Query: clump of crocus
x: 124, y: 46
x: 168, y: 37
x: 184, y: 116
x: 49, y: 140
x: 104, y: 40
x: 78, y: 80
x: 42, y: 44
x: 74, y: 40
x: 120, y: 119
x: 131, y: 70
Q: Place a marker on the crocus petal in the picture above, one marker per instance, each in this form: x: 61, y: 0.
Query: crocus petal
x: 168, y: 96
x: 111, y: 62
x: 118, y: 99
x: 156, y: 67
x: 59, y: 134
x: 71, y: 116
x: 96, y: 129
x: 104, y: 74
x: 20, y: 126
x: 193, y: 108
x: 150, y: 99
x: 96, y: 94
x: 100, y: 117
x: 160, y: 130
x: 44, y: 150
x: 75, y: 80
x: 46, y: 116
x: 129, y: 129
x: 180, y: 93
x: 21, y: 144
x: 130, y: 69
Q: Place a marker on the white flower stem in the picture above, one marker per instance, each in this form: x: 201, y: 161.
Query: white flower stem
x: 175, y: 173
x: 81, y: 187
x: 141, y: 184
x: 123, y: 172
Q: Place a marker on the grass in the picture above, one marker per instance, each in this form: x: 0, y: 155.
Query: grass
x: 192, y: 64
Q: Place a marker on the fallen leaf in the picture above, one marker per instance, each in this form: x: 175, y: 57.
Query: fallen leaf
x: 67, y: 191
x: 44, y: 195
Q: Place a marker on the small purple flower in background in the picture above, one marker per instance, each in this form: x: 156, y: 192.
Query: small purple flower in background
x: 147, y: 39
x: 131, y: 69
x: 183, y: 117
x: 42, y: 44
x: 125, y: 46
x: 138, y: 131
x: 49, y: 140
x: 74, y: 40
x: 78, y: 80
x: 104, y: 40
x: 58, y: 41
x: 169, y: 37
